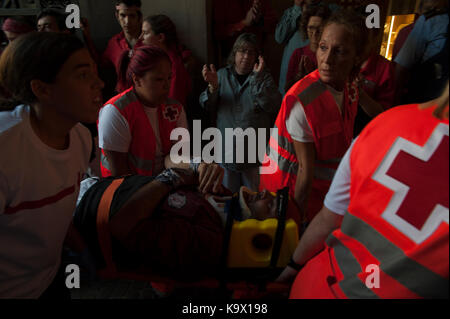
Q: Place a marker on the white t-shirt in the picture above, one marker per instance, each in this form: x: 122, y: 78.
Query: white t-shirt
x: 115, y: 134
x: 38, y: 191
x: 297, y: 125
x: 338, y: 197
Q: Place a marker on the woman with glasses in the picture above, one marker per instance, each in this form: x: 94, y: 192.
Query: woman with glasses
x: 303, y: 60
x: 241, y: 95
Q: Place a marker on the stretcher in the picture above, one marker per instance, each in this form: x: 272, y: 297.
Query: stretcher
x: 254, y: 252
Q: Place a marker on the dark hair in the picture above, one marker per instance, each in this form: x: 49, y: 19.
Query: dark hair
x: 34, y: 56
x: 29, y: 21
x: 321, y: 11
x: 130, y: 3
x: 162, y: 24
x: 143, y: 59
x: 58, y: 15
x: 356, y: 26
x: 241, y: 41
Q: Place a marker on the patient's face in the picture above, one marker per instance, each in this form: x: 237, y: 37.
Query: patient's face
x: 263, y: 205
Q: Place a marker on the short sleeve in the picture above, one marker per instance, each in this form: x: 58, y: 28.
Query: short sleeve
x: 338, y: 197
x: 113, y: 130
x: 298, y: 126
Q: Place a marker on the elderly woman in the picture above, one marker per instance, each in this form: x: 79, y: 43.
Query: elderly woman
x: 303, y: 60
x: 241, y: 95
x: 315, y: 123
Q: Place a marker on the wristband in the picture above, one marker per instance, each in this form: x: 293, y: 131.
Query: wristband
x: 170, y: 178
x: 294, y: 265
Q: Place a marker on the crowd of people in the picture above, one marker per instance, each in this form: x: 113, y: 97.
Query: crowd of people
x: 361, y: 143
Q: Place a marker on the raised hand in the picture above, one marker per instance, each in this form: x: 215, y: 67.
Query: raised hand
x: 308, y: 65
x: 250, y: 17
x: 256, y: 9
x: 210, y: 75
x: 260, y: 65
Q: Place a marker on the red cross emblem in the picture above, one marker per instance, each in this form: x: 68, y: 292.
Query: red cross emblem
x: 171, y: 113
x: 419, y: 178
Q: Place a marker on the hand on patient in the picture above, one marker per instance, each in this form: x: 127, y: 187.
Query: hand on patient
x: 210, y: 178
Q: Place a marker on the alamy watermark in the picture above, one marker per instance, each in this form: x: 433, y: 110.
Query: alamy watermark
x: 73, y: 20
x: 373, y: 279
x: 73, y: 276
x: 212, y: 152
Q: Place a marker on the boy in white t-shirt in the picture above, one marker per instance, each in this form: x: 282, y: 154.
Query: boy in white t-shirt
x: 45, y: 152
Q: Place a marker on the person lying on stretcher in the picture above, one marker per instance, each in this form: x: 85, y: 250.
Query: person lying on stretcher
x: 164, y: 224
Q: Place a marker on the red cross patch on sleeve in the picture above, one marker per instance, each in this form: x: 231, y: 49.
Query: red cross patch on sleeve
x: 171, y: 113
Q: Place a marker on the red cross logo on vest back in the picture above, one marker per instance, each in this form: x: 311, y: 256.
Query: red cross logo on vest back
x: 419, y: 178
x: 171, y: 113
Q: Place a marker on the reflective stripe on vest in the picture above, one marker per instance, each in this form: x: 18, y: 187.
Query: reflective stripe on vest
x: 284, y: 142
x: 140, y: 163
x: 351, y: 285
x: 393, y: 261
x: 311, y: 93
x: 285, y: 165
x: 125, y: 100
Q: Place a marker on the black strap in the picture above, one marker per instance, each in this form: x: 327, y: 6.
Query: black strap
x: 231, y: 209
x: 282, y: 203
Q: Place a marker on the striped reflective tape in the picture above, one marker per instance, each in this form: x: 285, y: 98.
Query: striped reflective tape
x: 311, y: 93
x: 351, y: 285
x: 125, y: 100
x: 394, y: 262
x: 140, y: 163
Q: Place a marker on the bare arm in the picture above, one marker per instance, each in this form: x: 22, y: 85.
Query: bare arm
x: 118, y: 163
x: 369, y: 105
x: 306, y: 155
x: 312, y: 242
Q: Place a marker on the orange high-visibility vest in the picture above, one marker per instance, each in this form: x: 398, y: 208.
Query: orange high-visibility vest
x: 141, y: 154
x: 332, y: 134
x: 394, y: 240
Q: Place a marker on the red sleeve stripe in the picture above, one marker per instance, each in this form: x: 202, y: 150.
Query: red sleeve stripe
x: 40, y: 203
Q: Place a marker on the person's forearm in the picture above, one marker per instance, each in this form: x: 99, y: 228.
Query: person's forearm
x: 139, y: 207
x: 312, y: 241
x: 302, y: 190
x: 371, y: 107
x: 185, y: 164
